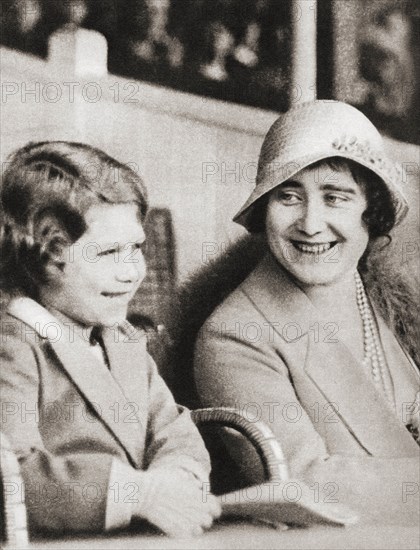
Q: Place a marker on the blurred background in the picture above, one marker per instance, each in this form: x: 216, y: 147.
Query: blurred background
x: 184, y: 91
x: 240, y: 50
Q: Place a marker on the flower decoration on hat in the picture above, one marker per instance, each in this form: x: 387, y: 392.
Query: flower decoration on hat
x: 362, y: 150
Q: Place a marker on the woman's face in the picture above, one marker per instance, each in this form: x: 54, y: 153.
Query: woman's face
x: 314, y: 225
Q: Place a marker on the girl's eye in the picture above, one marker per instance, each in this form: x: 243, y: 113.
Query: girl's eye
x: 137, y: 246
x: 108, y: 252
x: 129, y: 247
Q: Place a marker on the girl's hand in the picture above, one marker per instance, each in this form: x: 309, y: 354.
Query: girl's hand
x: 176, y: 503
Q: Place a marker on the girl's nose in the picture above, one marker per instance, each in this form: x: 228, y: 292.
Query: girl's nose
x: 132, y: 270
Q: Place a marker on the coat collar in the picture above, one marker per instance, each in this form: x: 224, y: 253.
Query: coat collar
x: 114, y: 394
x: 330, y: 366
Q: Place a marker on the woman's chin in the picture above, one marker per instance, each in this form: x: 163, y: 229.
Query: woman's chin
x: 313, y: 275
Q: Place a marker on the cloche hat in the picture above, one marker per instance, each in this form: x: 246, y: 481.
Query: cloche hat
x: 318, y: 130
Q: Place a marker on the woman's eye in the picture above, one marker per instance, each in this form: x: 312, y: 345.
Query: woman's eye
x: 289, y: 198
x: 334, y: 199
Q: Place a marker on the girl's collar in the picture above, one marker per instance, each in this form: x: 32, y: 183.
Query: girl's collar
x: 47, y: 324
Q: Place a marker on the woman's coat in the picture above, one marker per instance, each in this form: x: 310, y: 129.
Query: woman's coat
x: 261, y: 351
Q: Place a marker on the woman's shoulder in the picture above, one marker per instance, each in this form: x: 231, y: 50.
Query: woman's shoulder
x: 395, y: 293
x: 265, y: 292
x: 215, y: 286
x: 238, y: 305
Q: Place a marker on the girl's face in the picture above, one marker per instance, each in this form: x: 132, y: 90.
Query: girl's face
x: 314, y: 225
x: 103, y: 269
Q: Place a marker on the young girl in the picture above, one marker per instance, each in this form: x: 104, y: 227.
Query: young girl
x: 98, y: 435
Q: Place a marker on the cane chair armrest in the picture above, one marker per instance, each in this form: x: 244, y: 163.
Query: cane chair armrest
x: 258, y: 433
x: 14, y: 518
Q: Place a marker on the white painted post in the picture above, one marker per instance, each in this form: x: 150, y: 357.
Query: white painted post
x: 78, y: 52
x: 80, y: 56
x: 303, y: 77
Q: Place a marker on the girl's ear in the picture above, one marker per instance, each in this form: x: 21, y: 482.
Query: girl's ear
x: 54, y: 243
x: 54, y: 267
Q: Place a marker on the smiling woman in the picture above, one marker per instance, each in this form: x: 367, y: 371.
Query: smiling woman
x: 309, y: 221
x: 312, y: 337
x: 88, y: 410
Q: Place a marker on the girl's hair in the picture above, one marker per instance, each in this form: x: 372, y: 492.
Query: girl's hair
x: 379, y: 215
x: 46, y: 190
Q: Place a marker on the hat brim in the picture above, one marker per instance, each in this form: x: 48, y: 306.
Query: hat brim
x: 275, y: 174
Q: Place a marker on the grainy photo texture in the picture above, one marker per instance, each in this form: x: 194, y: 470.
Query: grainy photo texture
x: 209, y: 274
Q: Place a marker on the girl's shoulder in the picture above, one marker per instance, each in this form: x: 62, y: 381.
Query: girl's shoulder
x: 18, y: 344
x: 22, y: 322
x: 14, y: 331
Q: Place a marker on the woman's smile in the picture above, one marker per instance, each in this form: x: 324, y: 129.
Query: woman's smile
x: 313, y: 248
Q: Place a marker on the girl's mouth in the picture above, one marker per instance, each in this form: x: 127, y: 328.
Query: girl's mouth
x: 313, y: 248
x: 115, y: 294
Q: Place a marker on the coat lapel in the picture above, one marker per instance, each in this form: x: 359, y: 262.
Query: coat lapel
x: 127, y: 352
x: 93, y: 379
x: 340, y: 378
x: 330, y: 366
x: 275, y: 295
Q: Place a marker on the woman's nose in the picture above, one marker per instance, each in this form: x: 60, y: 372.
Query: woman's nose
x: 312, y: 220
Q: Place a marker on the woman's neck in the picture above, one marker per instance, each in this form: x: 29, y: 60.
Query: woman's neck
x: 338, y: 295
x: 338, y: 309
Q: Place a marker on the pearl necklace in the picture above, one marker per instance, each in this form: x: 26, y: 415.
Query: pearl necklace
x: 374, y: 358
